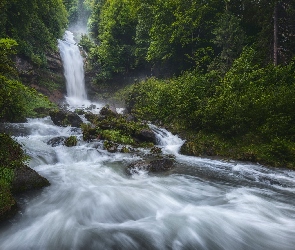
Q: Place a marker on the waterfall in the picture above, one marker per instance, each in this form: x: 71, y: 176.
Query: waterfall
x: 73, y: 69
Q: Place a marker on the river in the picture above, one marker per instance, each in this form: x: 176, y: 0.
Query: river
x: 93, y: 203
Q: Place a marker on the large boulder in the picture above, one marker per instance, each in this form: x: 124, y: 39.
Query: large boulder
x: 65, y: 118
x: 26, y: 178
x: 146, y: 135
x: 161, y: 165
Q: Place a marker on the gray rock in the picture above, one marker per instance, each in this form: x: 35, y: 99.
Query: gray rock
x: 159, y: 165
x: 57, y: 141
x: 146, y: 135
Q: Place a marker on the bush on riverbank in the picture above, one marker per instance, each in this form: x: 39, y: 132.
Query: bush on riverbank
x: 247, y: 114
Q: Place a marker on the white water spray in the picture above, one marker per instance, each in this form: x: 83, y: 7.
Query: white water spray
x: 73, y: 70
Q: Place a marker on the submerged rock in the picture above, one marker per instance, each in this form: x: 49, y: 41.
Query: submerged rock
x: 159, y: 165
x: 65, y: 118
x: 57, y: 141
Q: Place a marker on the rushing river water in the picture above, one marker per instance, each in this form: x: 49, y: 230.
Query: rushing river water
x: 93, y: 203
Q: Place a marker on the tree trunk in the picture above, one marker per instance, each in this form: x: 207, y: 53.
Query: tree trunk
x: 275, y: 36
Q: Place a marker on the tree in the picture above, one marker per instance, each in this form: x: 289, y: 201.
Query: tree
x: 230, y: 37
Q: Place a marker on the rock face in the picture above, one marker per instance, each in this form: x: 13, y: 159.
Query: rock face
x: 159, y: 165
x: 47, y: 79
x: 65, y: 118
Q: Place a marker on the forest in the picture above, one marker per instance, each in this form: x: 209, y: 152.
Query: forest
x: 221, y: 73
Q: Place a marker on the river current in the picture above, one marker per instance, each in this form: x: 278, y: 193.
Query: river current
x: 93, y: 203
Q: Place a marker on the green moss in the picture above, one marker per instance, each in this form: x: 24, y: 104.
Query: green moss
x: 115, y: 136
x: 114, y: 128
x: 71, y: 141
x: 6, y: 174
x: 7, y: 202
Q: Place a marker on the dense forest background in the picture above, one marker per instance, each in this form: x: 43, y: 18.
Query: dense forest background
x: 221, y: 73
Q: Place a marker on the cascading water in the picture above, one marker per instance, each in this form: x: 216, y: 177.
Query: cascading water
x: 73, y: 69
x: 93, y: 203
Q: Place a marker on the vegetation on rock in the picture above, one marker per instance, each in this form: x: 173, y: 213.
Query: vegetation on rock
x: 71, y: 141
x: 245, y: 115
x: 116, y: 128
x: 15, y: 176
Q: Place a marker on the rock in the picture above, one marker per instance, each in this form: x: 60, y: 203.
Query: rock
x: 54, y: 62
x: 26, y: 178
x: 62, y: 140
x: 146, y: 135
x: 57, y: 141
x: 156, y: 150
x: 135, y: 167
x: 108, y: 111
x: 42, y: 112
x: 159, y: 165
x: 65, y: 118
x: 110, y: 146
x: 130, y: 118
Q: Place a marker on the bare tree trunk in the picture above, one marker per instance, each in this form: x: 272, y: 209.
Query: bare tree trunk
x: 275, y: 36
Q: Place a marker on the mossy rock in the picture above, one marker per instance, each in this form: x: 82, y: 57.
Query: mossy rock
x: 110, y: 146
x: 108, y: 111
x: 15, y: 176
x: 65, y: 118
x: 71, y: 141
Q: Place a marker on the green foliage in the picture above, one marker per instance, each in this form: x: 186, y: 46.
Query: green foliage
x: 116, y: 129
x: 7, y: 202
x: 7, y: 49
x: 86, y: 43
x: 117, y: 22
x: 245, y: 115
x: 72, y: 9
x: 230, y: 37
x: 11, y: 154
x: 115, y: 136
x: 169, y: 37
x: 35, y: 25
x: 18, y: 101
